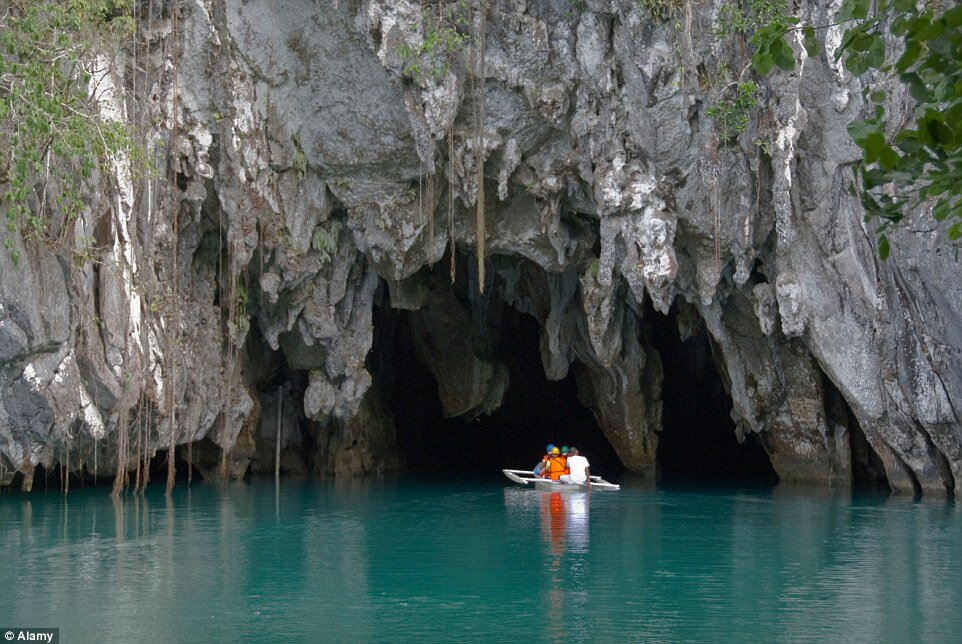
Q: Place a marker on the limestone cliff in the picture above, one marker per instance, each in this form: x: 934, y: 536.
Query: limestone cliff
x: 307, y: 173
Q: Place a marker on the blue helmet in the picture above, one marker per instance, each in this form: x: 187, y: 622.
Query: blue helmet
x: 549, y: 448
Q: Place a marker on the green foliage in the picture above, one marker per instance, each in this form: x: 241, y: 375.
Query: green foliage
x: 240, y: 294
x: 324, y: 240
x: 594, y: 268
x: 764, y: 23
x: 575, y: 8
x: 300, y: 164
x: 51, y: 134
x: 446, y: 35
x: 731, y: 111
x: 737, y: 18
x: 662, y: 10
x: 732, y: 20
x: 771, y: 48
x: 920, y: 163
x: 767, y: 23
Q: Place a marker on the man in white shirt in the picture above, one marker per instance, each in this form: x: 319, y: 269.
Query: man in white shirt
x: 578, y: 467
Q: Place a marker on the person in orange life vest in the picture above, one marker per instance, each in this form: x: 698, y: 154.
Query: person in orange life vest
x: 564, y: 455
x: 557, y: 465
x: 539, y: 468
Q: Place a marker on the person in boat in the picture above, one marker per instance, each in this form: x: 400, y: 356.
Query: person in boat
x: 579, y: 470
x: 539, y: 468
x: 556, y: 466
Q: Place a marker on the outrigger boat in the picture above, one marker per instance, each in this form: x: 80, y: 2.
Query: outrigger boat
x: 528, y: 479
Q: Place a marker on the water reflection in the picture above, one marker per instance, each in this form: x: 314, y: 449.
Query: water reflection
x: 565, y: 534
x: 366, y: 562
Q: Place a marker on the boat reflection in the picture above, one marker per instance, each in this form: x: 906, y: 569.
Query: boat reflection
x: 563, y: 516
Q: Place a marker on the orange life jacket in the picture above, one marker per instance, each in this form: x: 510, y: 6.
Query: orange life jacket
x: 557, y: 465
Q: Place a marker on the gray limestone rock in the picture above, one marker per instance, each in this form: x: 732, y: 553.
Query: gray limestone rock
x: 312, y: 167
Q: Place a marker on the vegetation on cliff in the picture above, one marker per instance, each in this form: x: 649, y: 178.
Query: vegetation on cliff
x: 53, y: 134
x: 906, y: 165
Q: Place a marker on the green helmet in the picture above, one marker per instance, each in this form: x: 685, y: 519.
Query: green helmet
x: 564, y: 450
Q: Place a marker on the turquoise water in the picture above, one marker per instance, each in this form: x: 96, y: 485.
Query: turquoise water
x: 411, y: 561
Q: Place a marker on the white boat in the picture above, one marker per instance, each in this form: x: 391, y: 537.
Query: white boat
x: 528, y: 479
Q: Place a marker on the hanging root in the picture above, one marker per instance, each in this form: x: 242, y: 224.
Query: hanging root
x: 451, y: 195
x: 123, y: 428
x: 479, y: 131
x: 172, y: 410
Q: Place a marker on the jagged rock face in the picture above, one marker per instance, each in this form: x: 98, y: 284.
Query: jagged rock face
x: 311, y: 165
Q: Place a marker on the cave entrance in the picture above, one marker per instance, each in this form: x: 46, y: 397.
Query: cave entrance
x: 698, y: 443
x: 535, y: 411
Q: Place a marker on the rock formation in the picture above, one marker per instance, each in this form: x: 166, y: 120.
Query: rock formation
x: 308, y: 171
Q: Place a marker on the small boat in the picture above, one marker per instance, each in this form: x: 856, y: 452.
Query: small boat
x: 528, y: 479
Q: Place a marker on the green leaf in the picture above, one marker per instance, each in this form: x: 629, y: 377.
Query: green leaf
x: 860, y: 130
x: 762, y: 63
x: 869, y: 202
x: 875, y: 56
x: 953, y: 17
x: 812, y: 46
x: 853, y: 9
x: 955, y: 231
x: 909, y: 56
x: 873, y: 145
x: 941, y: 210
x: 782, y: 55
x: 888, y: 158
x: 883, y: 247
x: 907, y: 141
x: 872, y: 178
x: 917, y: 87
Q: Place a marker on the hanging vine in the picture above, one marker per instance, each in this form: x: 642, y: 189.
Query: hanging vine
x: 480, y: 231
x: 457, y: 32
x: 451, y: 196
x: 175, y: 211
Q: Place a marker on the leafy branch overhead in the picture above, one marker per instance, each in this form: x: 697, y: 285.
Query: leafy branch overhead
x: 920, y: 163
x: 764, y: 23
x: 909, y: 166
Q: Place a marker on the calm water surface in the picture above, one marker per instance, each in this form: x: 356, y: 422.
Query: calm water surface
x: 414, y: 561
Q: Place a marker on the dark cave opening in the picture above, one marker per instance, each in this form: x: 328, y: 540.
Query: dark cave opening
x: 280, y: 387
x: 698, y: 443
x: 535, y: 411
